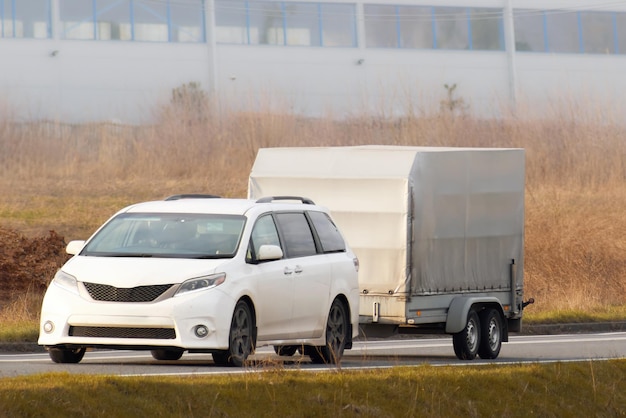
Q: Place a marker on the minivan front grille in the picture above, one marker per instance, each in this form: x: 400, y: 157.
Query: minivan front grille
x: 123, y: 332
x: 106, y: 293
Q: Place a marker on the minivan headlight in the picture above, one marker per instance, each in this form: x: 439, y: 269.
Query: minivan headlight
x: 66, y: 281
x: 201, y: 283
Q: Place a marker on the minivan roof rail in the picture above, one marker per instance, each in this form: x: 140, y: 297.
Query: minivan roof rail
x: 270, y: 199
x: 192, y: 196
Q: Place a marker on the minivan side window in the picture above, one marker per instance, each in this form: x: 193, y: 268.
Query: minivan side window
x: 263, y: 233
x: 329, y: 235
x: 297, y: 234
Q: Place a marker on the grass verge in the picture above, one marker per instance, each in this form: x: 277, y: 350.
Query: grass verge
x: 548, y: 390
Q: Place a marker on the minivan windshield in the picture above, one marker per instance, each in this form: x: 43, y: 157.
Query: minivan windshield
x: 177, y: 235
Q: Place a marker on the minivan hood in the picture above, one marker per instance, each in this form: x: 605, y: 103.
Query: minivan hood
x: 126, y: 272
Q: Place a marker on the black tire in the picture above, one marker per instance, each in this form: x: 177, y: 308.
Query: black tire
x: 467, y: 342
x: 337, y: 327
x: 285, y: 350
x: 163, y: 354
x: 491, y: 334
x: 66, y: 355
x: 240, y: 338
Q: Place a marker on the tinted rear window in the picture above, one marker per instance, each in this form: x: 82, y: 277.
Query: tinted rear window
x: 329, y: 235
x: 295, y: 229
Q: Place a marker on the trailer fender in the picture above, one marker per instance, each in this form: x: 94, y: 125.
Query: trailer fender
x: 459, y: 309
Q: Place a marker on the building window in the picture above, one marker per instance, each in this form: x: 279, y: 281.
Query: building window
x: 285, y: 23
x: 338, y: 25
x: 266, y: 23
x: 133, y: 20
x: 562, y: 31
x: 150, y: 21
x: 529, y: 30
x: 421, y: 27
x: 598, y: 30
x: 399, y: 26
x: 416, y: 27
x: 113, y: 20
x: 302, y: 24
x: 231, y: 22
x: 381, y: 26
x: 187, y: 22
x: 451, y: 28
x: 77, y: 19
x: 25, y: 19
x: 486, y: 29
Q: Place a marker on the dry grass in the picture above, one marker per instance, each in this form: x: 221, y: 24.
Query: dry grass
x: 71, y: 178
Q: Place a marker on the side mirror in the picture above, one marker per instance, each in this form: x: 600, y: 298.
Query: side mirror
x: 269, y: 252
x: 74, y: 247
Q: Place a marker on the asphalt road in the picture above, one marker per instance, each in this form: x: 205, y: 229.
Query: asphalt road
x: 364, y: 355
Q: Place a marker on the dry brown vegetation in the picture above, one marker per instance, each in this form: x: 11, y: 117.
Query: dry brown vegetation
x: 70, y: 178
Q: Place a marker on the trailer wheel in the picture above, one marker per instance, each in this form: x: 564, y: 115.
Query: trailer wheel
x: 467, y: 341
x: 491, y: 334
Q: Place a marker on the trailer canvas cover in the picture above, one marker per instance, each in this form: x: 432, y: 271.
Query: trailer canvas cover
x: 422, y: 220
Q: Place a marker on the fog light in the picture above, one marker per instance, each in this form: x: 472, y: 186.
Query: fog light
x: 201, y: 331
x: 48, y: 327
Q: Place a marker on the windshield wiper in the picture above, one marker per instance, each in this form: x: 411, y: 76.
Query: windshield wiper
x: 136, y: 255
x: 209, y: 256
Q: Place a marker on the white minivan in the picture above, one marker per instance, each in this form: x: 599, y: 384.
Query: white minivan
x: 204, y: 274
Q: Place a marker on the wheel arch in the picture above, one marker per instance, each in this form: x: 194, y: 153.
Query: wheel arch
x: 460, y: 307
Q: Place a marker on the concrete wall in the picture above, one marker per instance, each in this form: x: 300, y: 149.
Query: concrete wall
x: 77, y: 81
x: 343, y: 81
x: 321, y: 81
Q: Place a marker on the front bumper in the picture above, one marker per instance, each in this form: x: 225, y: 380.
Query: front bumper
x: 69, y: 319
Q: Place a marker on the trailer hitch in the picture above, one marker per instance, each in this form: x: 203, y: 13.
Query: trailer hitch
x: 528, y: 302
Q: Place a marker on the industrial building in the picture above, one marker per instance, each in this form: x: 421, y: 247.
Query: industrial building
x: 103, y: 60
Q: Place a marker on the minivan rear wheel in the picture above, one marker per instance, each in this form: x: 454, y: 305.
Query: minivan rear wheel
x: 336, y: 336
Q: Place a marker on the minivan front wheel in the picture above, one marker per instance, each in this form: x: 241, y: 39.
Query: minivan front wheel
x: 336, y: 336
x: 240, y: 338
x: 66, y: 355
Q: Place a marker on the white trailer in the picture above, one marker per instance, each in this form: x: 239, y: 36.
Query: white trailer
x: 439, y: 233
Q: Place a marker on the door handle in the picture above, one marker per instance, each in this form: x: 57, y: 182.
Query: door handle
x: 298, y: 269
x: 287, y: 271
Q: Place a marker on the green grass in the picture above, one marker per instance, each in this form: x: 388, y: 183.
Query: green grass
x: 552, y: 390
